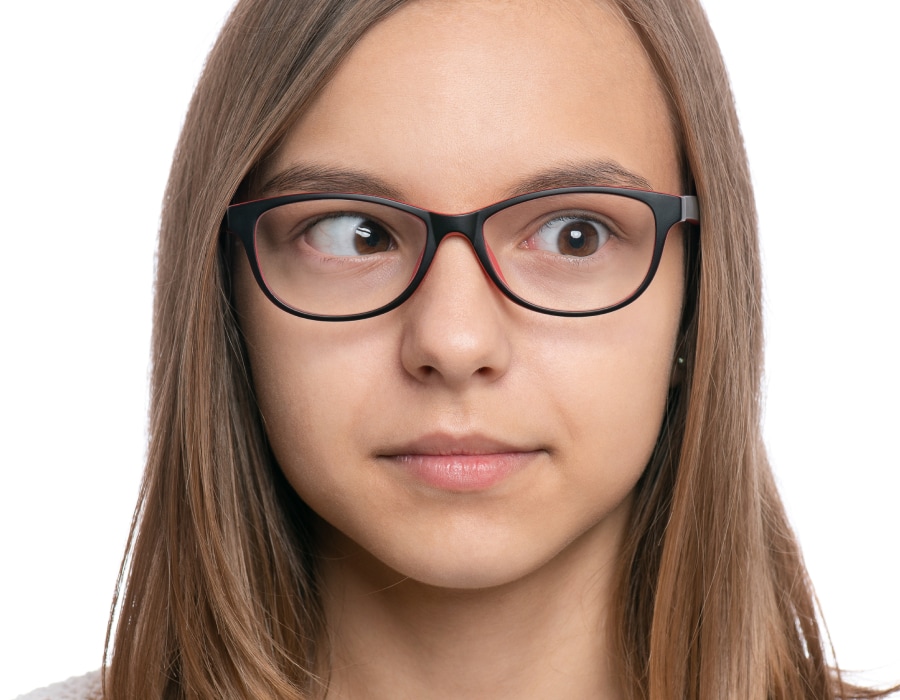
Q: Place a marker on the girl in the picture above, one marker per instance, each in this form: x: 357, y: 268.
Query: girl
x: 398, y: 450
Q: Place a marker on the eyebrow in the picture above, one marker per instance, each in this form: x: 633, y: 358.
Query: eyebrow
x: 319, y: 178
x: 592, y: 173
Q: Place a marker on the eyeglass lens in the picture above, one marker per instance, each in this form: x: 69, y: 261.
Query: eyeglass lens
x: 567, y: 252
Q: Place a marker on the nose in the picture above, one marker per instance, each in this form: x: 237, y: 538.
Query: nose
x: 454, y: 324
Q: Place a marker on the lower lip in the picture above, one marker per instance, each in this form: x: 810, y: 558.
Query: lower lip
x: 463, y: 473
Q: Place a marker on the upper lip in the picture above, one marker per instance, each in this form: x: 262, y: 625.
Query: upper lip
x: 454, y: 444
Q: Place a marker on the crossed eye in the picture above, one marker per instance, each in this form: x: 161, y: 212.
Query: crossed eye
x: 350, y: 234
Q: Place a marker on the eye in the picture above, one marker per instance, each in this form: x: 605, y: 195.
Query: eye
x: 349, y: 234
x: 576, y: 236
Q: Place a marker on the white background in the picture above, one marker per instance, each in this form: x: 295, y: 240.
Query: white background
x: 93, y: 96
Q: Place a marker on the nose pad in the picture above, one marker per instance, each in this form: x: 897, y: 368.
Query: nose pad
x: 454, y: 327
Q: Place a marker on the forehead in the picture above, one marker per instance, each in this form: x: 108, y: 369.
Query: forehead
x: 452, y: 102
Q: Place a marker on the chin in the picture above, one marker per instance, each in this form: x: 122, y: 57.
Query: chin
x: 471, y: 575
x: 459, y: 562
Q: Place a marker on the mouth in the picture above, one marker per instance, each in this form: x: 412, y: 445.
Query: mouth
x: 460, y: 464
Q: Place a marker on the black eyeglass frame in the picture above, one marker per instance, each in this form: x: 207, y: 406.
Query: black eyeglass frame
x: 668, y: 211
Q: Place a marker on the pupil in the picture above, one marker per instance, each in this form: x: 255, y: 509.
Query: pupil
x: 578, y: 238
x: 371, y: 238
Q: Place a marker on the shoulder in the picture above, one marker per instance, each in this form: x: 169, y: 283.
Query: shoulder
x: 86, y: 687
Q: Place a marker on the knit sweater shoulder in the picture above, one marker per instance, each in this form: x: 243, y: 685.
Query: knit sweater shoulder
x: 86, y: 687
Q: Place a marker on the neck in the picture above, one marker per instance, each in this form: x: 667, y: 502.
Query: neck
x: 541, y: 636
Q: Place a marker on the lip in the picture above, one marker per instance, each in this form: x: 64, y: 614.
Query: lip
x: 464, y: 463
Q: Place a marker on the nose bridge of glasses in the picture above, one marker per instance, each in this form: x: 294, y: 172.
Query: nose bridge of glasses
x: 443, y: 225
x: 465, y: 226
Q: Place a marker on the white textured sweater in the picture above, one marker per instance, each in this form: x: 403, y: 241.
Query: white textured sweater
x: 86, y: 687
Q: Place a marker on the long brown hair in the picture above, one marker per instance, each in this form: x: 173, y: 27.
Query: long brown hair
x: 218, y: 589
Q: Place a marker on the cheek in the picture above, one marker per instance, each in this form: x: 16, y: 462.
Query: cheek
x: 313, y: 381
x: 611, y: 374
x: 612, y: 407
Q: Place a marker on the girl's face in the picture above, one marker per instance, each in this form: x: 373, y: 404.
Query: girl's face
x: 461, y: 440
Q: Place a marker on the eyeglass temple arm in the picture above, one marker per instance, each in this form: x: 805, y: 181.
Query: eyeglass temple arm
x: 690, y: 209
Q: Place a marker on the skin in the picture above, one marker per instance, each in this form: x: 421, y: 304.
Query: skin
x: 500, y: 591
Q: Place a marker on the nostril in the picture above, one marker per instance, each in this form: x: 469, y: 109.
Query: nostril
x: 486, y: 372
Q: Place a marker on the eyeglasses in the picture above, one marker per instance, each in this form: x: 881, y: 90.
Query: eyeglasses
x: 575, y: 251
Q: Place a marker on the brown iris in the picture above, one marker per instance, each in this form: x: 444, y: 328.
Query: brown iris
x: 578, y: 238
x: 371, y: 238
